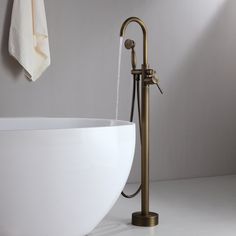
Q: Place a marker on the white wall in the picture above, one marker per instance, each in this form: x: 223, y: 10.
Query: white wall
x: 191, y: 44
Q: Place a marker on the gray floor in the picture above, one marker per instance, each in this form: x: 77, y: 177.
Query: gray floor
x: 193, y: 207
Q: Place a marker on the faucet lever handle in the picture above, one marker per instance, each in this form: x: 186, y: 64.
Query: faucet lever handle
x: 161, y: 91
x: 156, y: 81
x: 152, y: 79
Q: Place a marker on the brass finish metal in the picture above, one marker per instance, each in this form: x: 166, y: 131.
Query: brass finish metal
x: 145, y: 217
x: 149, y: 220
x: 142, y: 25
x: 130, y: 44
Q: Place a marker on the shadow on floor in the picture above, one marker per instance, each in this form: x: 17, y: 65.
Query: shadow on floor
x: 111, y: 227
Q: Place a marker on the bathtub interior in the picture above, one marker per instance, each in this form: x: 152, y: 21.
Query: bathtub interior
x: 56, y: 123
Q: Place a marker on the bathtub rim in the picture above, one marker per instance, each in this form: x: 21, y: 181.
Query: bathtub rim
x: 107, y: 123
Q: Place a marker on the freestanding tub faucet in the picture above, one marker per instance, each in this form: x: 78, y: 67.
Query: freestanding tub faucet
x: 144, y: 217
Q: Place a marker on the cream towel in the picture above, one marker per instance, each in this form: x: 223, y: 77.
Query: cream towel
x: 28, y: 38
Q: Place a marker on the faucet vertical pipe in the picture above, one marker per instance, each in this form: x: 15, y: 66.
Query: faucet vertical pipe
x: 145, y: 149
x: 143, y: 218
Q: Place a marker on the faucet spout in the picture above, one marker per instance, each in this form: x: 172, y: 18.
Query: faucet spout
x: 144, y: 30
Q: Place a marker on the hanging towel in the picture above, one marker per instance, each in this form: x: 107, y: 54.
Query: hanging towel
x: 28, y: 37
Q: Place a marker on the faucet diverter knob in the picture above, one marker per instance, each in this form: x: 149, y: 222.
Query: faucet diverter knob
x: 150, y: 72
x: 151, y: 80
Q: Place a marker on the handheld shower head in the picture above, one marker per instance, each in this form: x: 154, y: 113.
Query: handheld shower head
x: 129, y: 44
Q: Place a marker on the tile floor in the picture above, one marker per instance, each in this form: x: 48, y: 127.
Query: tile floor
x: 191, y: 207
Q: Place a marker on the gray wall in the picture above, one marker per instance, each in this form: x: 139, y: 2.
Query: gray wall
x: 193, y: 47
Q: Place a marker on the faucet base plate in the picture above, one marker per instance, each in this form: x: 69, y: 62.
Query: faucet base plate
x: 149, y: 220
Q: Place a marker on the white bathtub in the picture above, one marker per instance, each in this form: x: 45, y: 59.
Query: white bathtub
x: 60, y: 176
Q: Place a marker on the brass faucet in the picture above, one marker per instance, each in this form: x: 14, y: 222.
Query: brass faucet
x: 144, y: 217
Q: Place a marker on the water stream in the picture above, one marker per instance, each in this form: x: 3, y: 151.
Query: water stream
x: 118, y: 78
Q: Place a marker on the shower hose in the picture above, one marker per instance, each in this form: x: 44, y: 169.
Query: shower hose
x: 136, y: 87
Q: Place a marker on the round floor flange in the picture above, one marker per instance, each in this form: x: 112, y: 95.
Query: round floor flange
x: 149, y: 220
